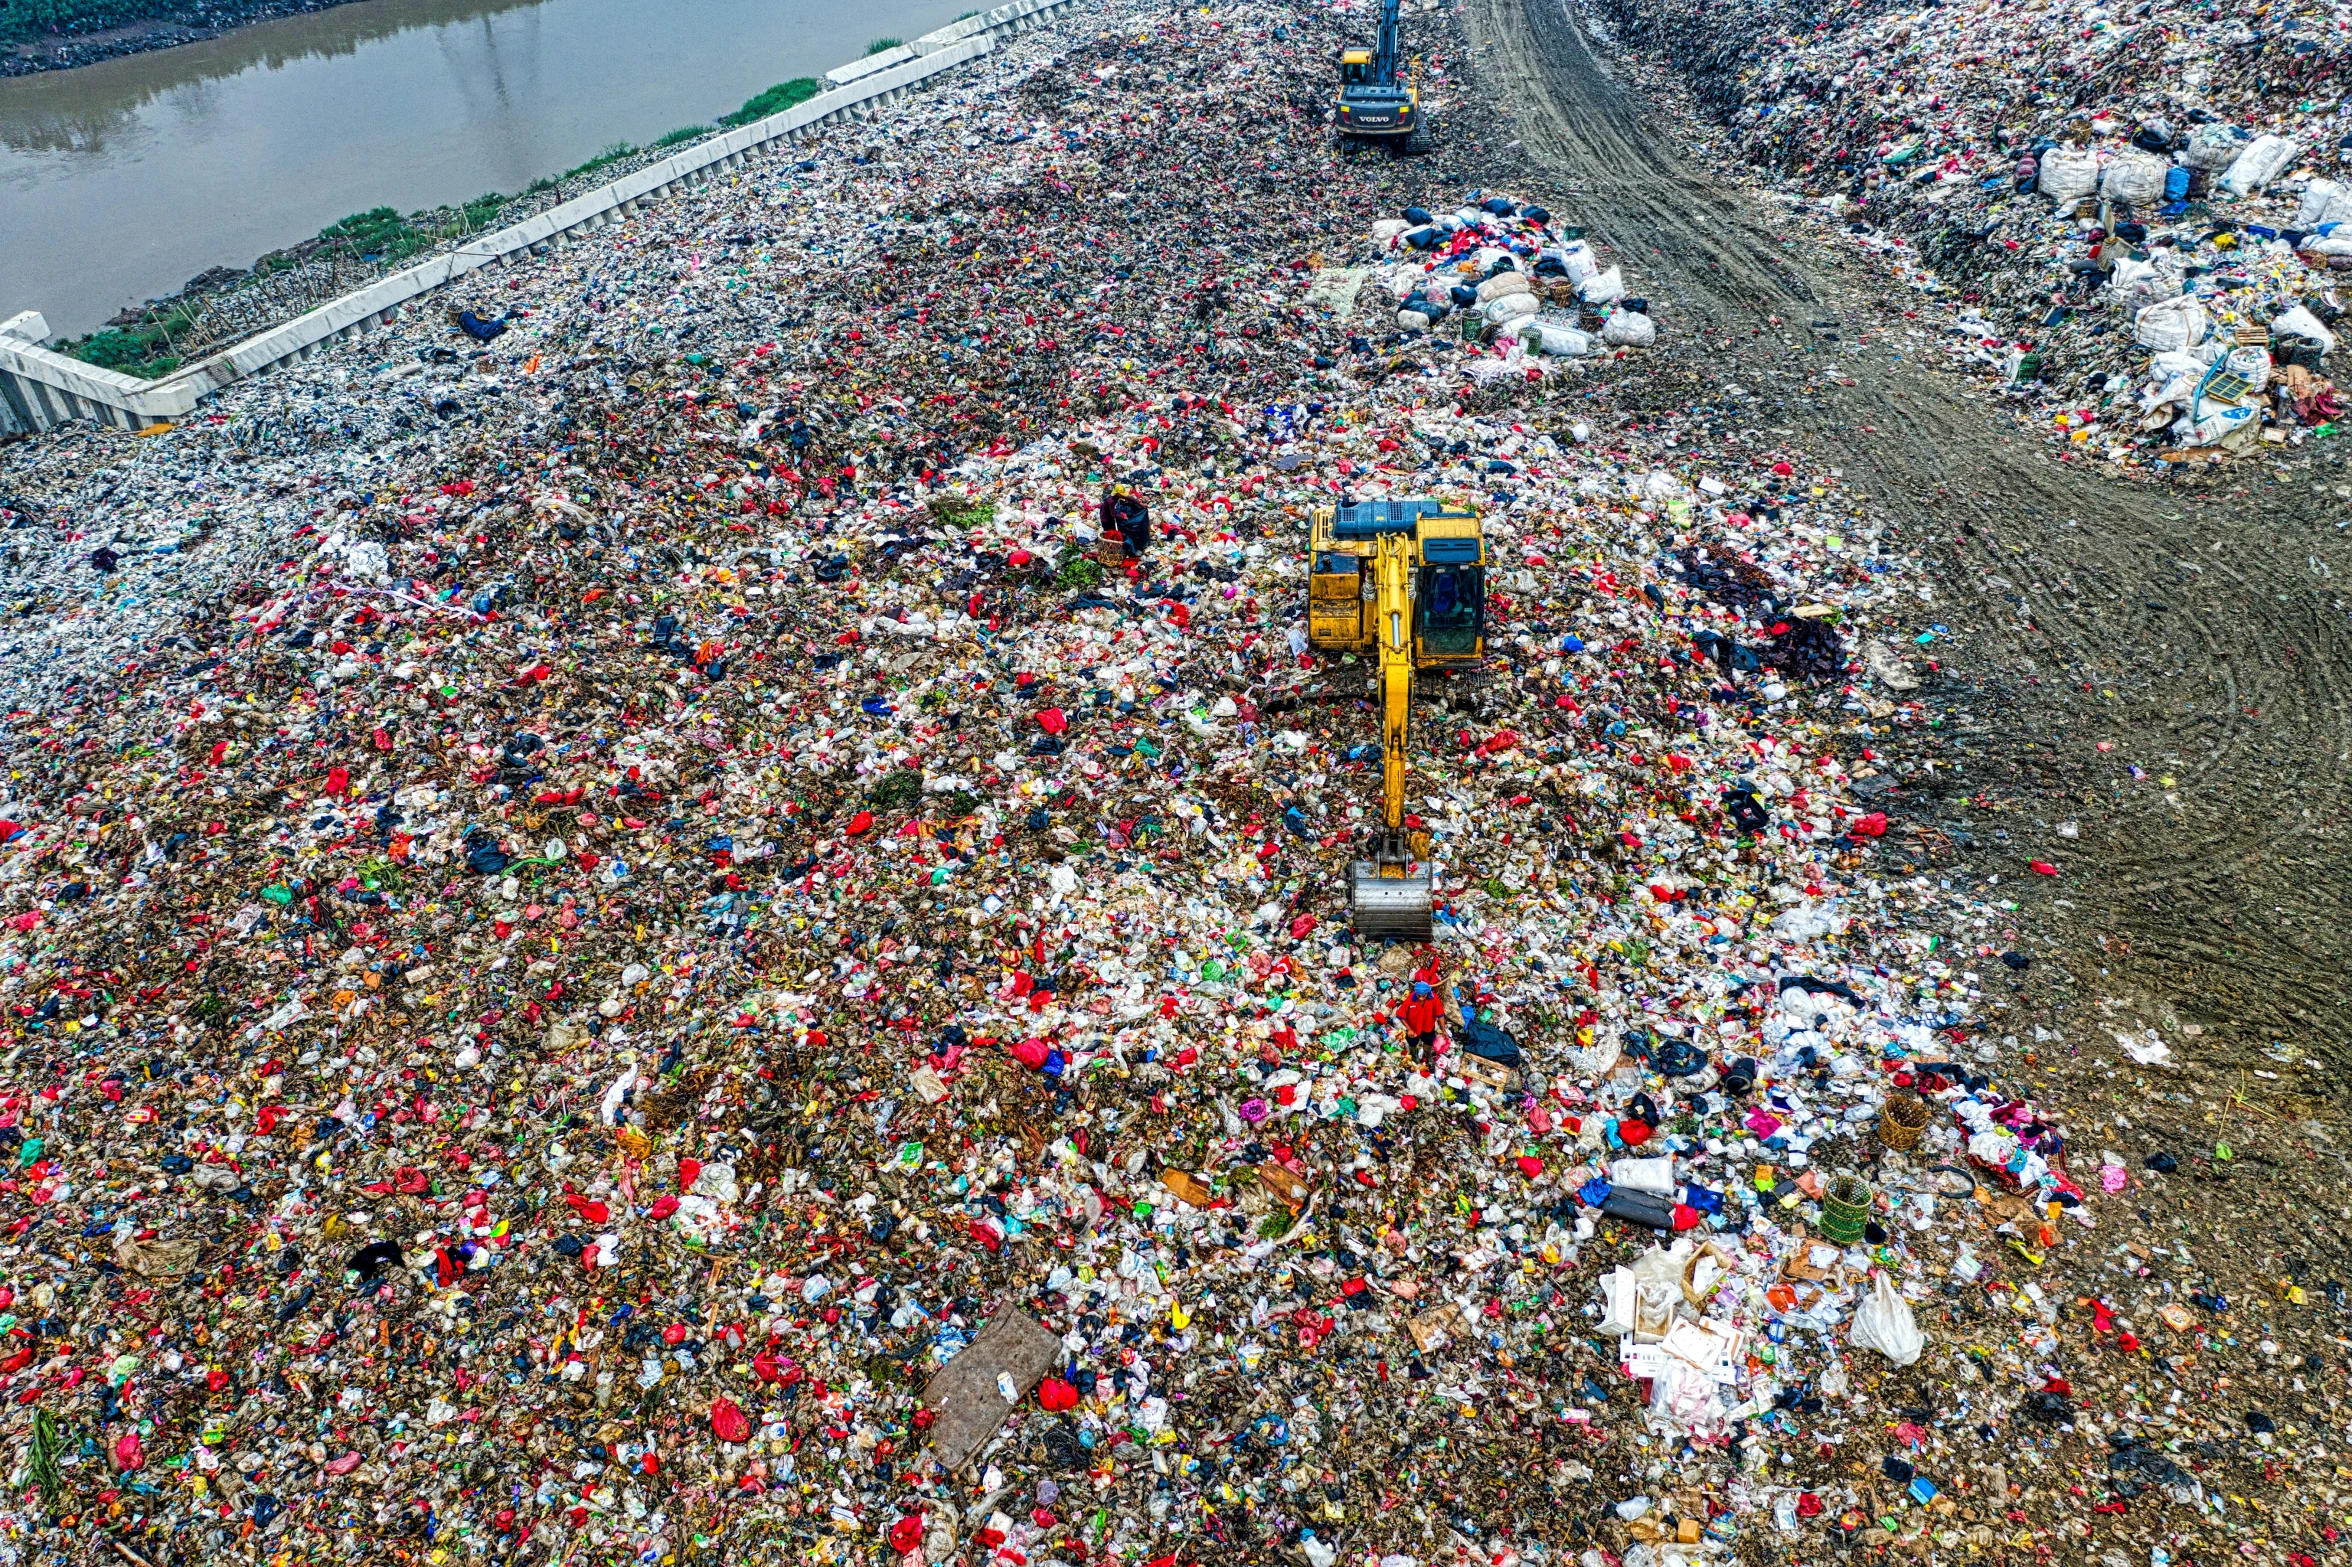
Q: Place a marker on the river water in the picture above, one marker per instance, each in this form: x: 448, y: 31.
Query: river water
x: 121, y: 180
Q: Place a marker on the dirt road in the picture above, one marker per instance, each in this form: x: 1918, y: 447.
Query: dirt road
x: 2100, y: 625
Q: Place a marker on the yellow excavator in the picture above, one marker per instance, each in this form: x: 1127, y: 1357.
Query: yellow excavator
x: 1401, y: 583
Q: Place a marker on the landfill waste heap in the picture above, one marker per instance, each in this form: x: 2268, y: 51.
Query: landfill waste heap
x: 692, y: 911
x: 2137, y: 218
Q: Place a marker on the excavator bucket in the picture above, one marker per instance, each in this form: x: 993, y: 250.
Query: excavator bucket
x: 1394, y: 907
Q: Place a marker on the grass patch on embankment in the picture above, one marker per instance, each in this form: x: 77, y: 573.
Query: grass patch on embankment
x: 775, y: 100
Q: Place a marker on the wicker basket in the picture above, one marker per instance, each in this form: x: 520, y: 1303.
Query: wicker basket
x: 1845, y: 1208
x: 1900, y: 1121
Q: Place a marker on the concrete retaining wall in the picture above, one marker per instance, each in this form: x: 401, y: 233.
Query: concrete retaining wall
x: 40, y: 389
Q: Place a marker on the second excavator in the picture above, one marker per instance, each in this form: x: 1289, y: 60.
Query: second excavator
x: 1401, y: 583
x: 1376, y: 96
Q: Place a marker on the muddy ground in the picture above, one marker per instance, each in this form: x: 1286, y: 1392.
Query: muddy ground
x: 2144, y: 685
x: 2198, y: 632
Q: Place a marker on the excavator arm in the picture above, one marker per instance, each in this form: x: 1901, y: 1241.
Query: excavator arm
x: 1389, y: 894
x: 1375, y: 99
x: 1388, y: 46
x: 1394, y: 608
x: 1399, y: 584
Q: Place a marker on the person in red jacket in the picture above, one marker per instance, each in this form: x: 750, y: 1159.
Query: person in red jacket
x: 1421, y: 1015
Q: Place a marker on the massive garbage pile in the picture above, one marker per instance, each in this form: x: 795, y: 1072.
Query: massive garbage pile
x: 693, y: 911
x: 2138, y: 216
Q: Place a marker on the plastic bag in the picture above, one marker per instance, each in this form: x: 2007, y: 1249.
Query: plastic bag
x: 1554, y: 337
x: 2141, y: 282
x: 2171, y: 323
x: 2213, y: 147
x: 2172, y: 378
x: 2068, y: 175
x: 1653, y: 1308
x: 2300, y: 322
x: 1638, y: 1207
x: 1503, y: 283
x: 1683, y: 1397
x: 2264, y: 160
x: 2324, y: 201
x: 1805, y: 922
x: 1510, y: 307
x: 2252, y: 365
x: 1578, y: 258
x: 2218, y: 424
x: 1884, y: 1323
x: 1595, y: 1059
x: 2136, y: 177
x: 1617, y: 1298
x: 1629, y: 329
x: 1489, y: 1043
x: 1644, y: 1175
x: 1604, y: 288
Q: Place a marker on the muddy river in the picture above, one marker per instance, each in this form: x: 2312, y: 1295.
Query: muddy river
x: 120, y: 181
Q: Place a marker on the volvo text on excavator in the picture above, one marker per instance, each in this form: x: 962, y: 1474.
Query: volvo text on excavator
x: 1401, y: 583
x: 1375, y: 97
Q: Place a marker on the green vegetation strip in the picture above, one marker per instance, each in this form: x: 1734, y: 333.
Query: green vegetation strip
x: 775, y: 100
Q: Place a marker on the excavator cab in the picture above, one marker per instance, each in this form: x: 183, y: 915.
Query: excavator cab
x: 1403, y: 584
x: 1444, y: 557
x: 1449, y: 594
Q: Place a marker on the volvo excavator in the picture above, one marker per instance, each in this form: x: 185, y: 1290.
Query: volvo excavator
x: 1401, y: 584
x: 1375, y: 98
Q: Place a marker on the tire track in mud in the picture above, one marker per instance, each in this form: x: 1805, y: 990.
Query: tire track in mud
x: 2227, y: 896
